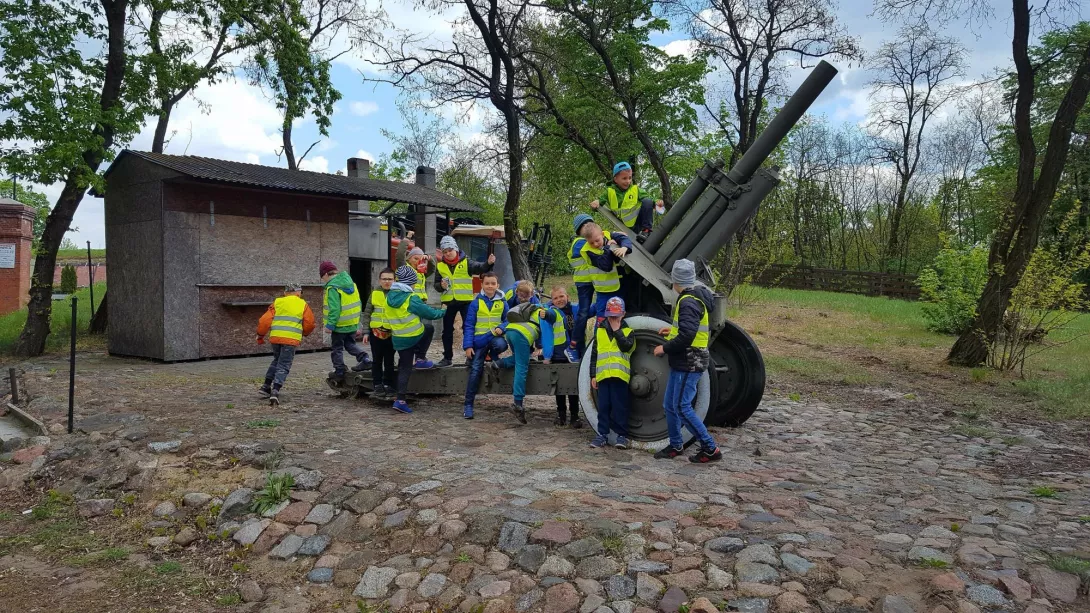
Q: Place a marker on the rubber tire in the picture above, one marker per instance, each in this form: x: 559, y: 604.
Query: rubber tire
x: 588, y: 398
x: 739, y: 390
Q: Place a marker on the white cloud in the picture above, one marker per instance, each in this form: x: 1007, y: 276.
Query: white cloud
x: 363, y: 108
x: 686, y: 48
x: 315, y: 164
x: 366, y: 155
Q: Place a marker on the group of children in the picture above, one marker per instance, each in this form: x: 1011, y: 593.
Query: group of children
x: 396, y: 321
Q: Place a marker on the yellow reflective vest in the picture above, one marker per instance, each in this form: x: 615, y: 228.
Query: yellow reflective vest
x: 287, y: 323
x: 402, y: 323
x: 612, y: 363
x: 459, y: 281
x: 605, y: 281
x: 627, y: 207
x: 702, y: 337
x: 378, y: 310
x: 351, y: 307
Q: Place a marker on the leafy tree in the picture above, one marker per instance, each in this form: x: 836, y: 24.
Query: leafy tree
x: 68, y: 279
x: 68, y: 97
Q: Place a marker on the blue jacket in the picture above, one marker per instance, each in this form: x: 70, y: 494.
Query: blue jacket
x: 469, y: 339
x: 568, y: 313
x: 606, y: 259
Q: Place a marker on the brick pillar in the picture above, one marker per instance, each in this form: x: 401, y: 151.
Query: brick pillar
x: 16, y: 236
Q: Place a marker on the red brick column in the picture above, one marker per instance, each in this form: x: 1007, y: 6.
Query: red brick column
x: 16, y: 236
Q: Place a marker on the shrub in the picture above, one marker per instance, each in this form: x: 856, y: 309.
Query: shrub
x: 68, y: 279
x: 951, y: 286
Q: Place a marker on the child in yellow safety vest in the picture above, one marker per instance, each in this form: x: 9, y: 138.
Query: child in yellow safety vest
x: 342, y: 306
x: 286, y: 322
x: 525, y: 330
x: 610, y: 370
x: 379, y: 335
x: 564, y: 314
x: 623, y: 199
x: 482, y: 334
x: 455, y: 283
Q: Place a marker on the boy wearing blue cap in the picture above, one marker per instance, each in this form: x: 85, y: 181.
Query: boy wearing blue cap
x: 623, y: 199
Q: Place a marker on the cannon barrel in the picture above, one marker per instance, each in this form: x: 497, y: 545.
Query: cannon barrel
x: 782, y: 123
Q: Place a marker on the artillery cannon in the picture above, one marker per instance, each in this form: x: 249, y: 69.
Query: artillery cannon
x: 711, y: 210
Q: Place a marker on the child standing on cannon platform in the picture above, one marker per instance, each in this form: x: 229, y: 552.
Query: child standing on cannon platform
x: 405, y: 313
x: 687, y: 349
x: 342, y: 306
x: 623, y: 199
x: 482, y: 334
x: 380, y: 337
x: 610, y: 371
x: 564, y: 315
x: 287, y: 321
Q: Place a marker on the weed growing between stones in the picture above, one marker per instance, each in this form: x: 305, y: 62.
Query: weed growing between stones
x: 263, y: 423
x: 170, y: 567
x: 54, y: 504
x: 463, y: 557
x: 1043, y: 491
x: 933, y: 563
x: 613, y: 544
x: 111, y: 554
x: 228, y: 600
x: 1071, y: 564
x: 276, y: 490
x: 971, y: 431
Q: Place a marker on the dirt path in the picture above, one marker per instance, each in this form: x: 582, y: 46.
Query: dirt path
x: 881, y: 502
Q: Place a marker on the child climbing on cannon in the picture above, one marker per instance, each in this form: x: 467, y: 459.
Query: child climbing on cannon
x: 524, y: 330
x: 623, y: 199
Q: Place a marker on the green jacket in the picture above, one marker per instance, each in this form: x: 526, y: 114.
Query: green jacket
x: 342, y: 281
x: 396, y: 298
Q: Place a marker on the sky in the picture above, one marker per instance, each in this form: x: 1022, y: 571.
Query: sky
x: 238, y: 121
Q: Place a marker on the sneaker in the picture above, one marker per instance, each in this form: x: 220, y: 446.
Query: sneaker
x: 265, y: 390
x: 560, y: 421
x: 572, y: 355
x: 362, y: 366
x: 642, y: 236
x: 274, y: 398
x: 520, y: 412
x: 444, y: 363
x: 337, y: 377
x: 599, y: 441
x: 389, y: 393
x: 364, y: 359
x: 495, y: 365
x: 668, y: 453
x: 424, y: 364
x: 704, y: 456
x: 622, y: 443
x: 402, y: 407
x: 467, y: 412
x: 576, y: 423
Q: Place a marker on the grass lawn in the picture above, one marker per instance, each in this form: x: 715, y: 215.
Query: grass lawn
x: 830, y: 339
x: 11, y: 325
x: 79, y: 255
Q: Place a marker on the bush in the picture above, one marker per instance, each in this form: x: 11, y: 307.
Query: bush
x: 68, y: 279
x: 951, y: 286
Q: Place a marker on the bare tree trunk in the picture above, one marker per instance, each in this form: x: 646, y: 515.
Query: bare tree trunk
x: 519, y: 264
x: 1016, y: 238
x: 36, y: 331
x: 289, y: 151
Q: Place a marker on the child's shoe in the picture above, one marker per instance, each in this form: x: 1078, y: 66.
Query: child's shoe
x: 265, y: 390
x: 520, y: 412
x: 336, y: 377
x: 622, y: 443
x: 467, y: 412
x: 444, y: 363
x: 704, y: 456
x: 642, y: 236
x: 274, y: 397
x: 668, y: 453
x: 576, y: 423
x: 560, y: 421
x: 599, y: 441
x: 402, y: 407
x: 423, y: 364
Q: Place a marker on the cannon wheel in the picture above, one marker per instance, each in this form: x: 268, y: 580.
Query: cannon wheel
x: 739, y: 377
x: 647, y: 420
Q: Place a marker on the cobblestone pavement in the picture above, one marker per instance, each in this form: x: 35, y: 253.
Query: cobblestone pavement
x: 879, y: 505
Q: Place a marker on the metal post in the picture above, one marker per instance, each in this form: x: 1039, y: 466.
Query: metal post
x: 91, y: 281
x: 14, y: 377
x: 72, y: 369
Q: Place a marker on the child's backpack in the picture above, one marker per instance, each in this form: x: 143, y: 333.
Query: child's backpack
x: 521, y: 313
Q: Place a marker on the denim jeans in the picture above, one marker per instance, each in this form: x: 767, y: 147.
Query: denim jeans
x: 382, y: 369
x: 454, y: 307
x: 585, y: 292
x: 520, y: 361
x: 495, y: 347
x: 341, y: 342
x: 406, y: 358
x: 613, y: 407
x: 282, y: 357
x: 678, y: 403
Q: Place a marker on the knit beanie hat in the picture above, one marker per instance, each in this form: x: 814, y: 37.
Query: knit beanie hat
x: 683, y: 273
x: 406, y: 275
x: 448, y: 242
x: 416, y: 251
x: 581, y: 219
x: 326, y: 267
x: 293, y: 287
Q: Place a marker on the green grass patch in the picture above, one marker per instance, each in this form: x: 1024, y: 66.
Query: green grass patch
x: 112, y: 554
x: 11, y: 325
x: 934, y: 563
x: 1084, y: 519
x: 6, y: 516
x: 955, y: 527
x: 53, y: 505
x: 170, y: 567
x: 1043, y: 491
x: 1070, y: 564
x: 79, y: 255
x: 276, y: 490
x: 227, y: 600
x: 262, y: 423
x: 463, y: 557
x: 817, y: 369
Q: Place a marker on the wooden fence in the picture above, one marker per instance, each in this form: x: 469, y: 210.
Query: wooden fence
x: 894, y: 285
